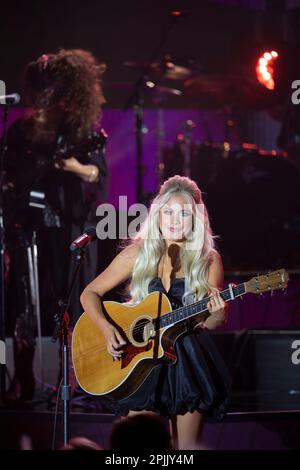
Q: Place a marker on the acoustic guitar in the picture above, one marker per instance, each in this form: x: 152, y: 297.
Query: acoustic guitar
x: 150, y: 330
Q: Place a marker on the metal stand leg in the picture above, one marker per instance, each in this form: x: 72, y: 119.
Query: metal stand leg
x: 32, y: 253
x: 188, y: 128
x: 160, y: 146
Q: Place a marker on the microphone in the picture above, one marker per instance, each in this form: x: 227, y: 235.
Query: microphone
x: 83, y: 240
x: 14, y: 98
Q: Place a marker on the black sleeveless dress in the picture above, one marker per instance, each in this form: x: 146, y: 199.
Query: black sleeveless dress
x: 198, y: 381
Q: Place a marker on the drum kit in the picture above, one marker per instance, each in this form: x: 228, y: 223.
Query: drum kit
x: 165, y: 85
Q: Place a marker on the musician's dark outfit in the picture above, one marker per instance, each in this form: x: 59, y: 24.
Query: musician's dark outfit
x: 69, y: 206
x: 198, y: 381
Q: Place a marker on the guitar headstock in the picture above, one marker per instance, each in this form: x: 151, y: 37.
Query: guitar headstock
x: 268, y: 282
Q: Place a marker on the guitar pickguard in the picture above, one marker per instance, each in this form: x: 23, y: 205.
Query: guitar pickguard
x: 131, y: 352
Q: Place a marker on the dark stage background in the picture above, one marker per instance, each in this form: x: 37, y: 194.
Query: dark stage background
x: 252, y: 197
x: 214, y: 34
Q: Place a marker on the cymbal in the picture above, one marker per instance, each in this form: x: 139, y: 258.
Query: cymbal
x: 215, y: 91
x: 166, y: 69
x: 149, y: 88
x: 176, y: 72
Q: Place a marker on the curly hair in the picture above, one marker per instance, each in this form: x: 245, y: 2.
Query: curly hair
x: 70, y: 80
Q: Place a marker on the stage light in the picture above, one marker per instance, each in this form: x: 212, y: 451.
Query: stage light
x: 267, y: 56
x: 265, y: 69
x: 266, y: 75
x: 263, y: 61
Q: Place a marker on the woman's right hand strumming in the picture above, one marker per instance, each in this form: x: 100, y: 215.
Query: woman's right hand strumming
x: 119, y: 270
x: 114, y: 340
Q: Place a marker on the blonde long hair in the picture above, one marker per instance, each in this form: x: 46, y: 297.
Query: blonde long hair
x: 196, y: 253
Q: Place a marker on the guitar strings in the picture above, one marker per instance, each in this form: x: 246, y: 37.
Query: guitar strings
x: 141, y: 328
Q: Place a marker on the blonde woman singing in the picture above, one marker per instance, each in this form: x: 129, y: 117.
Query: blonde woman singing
x: 172, y: 253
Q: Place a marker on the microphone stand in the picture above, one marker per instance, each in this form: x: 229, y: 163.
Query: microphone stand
x: 62, y: 328
x: 2, y: 290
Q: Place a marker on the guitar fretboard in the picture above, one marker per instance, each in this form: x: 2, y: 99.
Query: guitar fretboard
x: 188, y: 311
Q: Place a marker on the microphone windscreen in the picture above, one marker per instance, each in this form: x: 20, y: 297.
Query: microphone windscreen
x: 17, y: 98
x: 91, y: 231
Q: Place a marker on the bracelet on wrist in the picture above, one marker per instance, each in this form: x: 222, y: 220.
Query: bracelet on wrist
x: 92, y: 175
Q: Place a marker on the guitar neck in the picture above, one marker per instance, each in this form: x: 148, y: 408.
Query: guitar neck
x: 200, y: 307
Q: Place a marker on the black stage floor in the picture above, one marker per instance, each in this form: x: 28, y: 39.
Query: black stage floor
x: 247, y: 429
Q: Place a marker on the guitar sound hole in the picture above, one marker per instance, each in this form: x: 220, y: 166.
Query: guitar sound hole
x: 138, y: 330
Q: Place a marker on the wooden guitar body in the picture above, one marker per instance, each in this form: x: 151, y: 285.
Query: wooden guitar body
x: 95, y: 369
